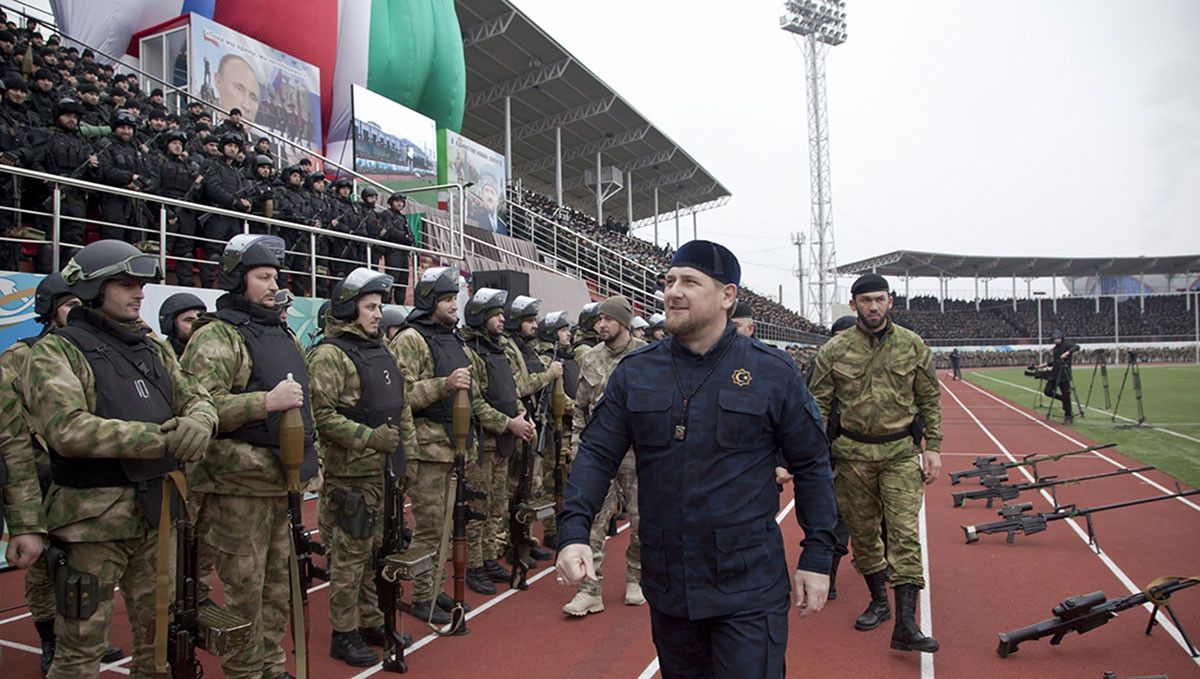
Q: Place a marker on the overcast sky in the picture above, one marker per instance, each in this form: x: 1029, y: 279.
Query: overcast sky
x: 1064, y: 127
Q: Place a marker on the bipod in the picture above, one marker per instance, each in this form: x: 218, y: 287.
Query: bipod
x: 1164, y: 602
x: 1131, y: 368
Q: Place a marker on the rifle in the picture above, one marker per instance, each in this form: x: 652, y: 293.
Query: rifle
x: 1084, y: 613
x: 997, y: 488
x: 558, y: 406
x: 985, y: 466
x: 393, y: 566
x: 302, y: 570
x: 523, y: 510
x: 1015, y: 519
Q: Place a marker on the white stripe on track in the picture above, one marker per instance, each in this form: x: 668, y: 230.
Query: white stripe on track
x: 1166, y: 624
x: 926, y: 597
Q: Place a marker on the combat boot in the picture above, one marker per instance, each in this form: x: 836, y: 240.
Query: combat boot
x: 45, y: 630
x: 446, y: 603
x: 541, y: 553
x: 374, y: 636
x: 496, y: 572
x: 907, y: 636
x: 879, y: 609
x: 837, y: 558
x: 587, y: 600
x: 350, y: 648
x: 112, y: 654
x: 479, y: 582
x: 421, y: 611
x: 633, y: 594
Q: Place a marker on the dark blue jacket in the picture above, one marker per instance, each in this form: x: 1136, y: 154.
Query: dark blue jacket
x: 710, y: 543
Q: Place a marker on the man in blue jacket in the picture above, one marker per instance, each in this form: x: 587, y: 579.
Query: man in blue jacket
x: 705, y: 411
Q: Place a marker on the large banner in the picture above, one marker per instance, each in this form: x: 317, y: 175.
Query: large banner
x: 393, y: 145
x: 272, y: 89
x: 466, y: 162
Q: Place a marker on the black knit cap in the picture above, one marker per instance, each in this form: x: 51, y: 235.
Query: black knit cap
x: 712, y: 258
x: 869, y: 282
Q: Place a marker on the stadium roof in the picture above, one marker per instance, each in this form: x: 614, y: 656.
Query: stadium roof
x: 934, y: 264
x: 507, y: 54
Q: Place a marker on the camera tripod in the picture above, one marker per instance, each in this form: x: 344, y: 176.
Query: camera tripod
x: 1100, y: 367
x: 1074, y: 395
x: 1131, y: 368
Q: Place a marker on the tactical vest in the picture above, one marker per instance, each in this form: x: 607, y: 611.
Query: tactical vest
x: 176, y: 177
x: 67, y: 152
x: 382, y: 393
x: 274, y: 355
x: 132, y: 384
x: 501, y: 393
x: 448, y: 356
x: 570, y: 374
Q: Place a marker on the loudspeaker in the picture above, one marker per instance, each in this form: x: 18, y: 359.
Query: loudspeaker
x: 515, y: 282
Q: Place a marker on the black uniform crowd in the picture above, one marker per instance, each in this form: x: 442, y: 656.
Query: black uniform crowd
x: 64, y: 113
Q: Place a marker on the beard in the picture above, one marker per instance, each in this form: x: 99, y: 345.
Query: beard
x: 683, y: 325
x: 872, y: 324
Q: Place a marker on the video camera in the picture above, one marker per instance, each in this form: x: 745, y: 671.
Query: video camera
x: 1038, y: 372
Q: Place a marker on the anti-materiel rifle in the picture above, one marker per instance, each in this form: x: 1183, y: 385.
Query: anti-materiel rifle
x: 998, y: 488
x: 393, y: 565
x: 1015, y: 519
x: 1084, y: 613
x: 986, y: 466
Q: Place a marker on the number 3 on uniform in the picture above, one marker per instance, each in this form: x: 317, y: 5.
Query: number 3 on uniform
x: 387, y: 377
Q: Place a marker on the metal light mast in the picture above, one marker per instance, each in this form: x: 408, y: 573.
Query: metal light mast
x: 821, y: 24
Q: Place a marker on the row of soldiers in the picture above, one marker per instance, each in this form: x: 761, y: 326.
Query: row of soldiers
x: 110, y: 409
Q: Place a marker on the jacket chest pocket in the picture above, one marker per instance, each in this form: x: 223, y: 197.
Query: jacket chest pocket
x: 654, y: 558
x: 740, y: 419
x: 744, y: 557
x: 650, y: 417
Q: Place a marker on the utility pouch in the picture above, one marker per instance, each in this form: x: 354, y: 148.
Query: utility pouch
x: 833, y: 426
x: 353, y: 514
x: 77, y: 594
x: 917, y: 428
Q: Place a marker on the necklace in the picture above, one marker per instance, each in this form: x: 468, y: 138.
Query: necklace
x: 681, y: 427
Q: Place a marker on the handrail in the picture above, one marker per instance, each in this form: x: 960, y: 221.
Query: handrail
x: 576, y: 234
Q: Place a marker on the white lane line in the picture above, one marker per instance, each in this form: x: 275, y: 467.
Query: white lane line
x: 38, y: 652
x: 15, y: 618
x: 1153, y: 427
x: 926, y: 596
x: 430, y: 638
x: 1104, y: 558
x: 652, y: 668
x: 1081, y: 444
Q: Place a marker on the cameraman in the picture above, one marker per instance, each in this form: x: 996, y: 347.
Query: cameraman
x: 1059, y: 376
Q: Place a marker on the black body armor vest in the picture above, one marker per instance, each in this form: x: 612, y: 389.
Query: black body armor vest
x: 448, y: 356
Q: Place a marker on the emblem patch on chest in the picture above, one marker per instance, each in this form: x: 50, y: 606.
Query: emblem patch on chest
x: 741, y: 377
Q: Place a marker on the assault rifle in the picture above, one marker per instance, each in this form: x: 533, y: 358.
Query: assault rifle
x: 986, y: 466
x: 524, y: 510
x: 998, y: 488
x: 1084, y: 613
x: 558, y: 406
x: 1014, y: 518
x: 392, y: 565
x: 462, y: 513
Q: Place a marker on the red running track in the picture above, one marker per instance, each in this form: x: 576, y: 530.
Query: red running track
x: 975, y: 590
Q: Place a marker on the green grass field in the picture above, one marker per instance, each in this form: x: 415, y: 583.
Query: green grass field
x: 1171, y: 400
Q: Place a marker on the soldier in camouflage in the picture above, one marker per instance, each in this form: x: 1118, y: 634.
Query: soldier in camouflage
x: 658, y: 327
x: 585, y: 331
x: 361, y: 416
x: 117, y: 413
x: 533, y: 378
x: 489, y: 475
x: 882, y: 378
x: 435, y: 365
x: 553, y: 343
x: 243, y: 354
x: 612, y: 326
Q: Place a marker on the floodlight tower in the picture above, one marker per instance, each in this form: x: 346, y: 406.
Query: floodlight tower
x: 822, y: 24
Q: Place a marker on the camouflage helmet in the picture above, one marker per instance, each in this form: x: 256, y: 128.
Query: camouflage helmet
x: 639, y: 323
x: 482, y: 304
x: 657, y: 320
x: 522, y: 306
x: 393, y: 316
x: 246, y: 251
x: 549, y: 326
x: 175, y: 305
x: 106, y: 259
x: 588, y: 315
x: 49, y: 295
x: 435, y: 282
x: 361, y: 281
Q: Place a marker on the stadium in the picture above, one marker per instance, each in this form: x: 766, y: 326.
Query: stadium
x: 520, y: 168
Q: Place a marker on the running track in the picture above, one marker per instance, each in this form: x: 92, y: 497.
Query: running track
x: 975, y: 591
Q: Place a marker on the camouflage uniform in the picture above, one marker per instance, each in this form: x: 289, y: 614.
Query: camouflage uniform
x: 594, y: 370
x: 529, y: 386
x: 105, y: 527
x: 881, y: 384
x: 488, y: 474
x: 431, y: 465
x: 545, y: 351
x: 39, y: 591
x: 350, y: 466
x: 244, y: 519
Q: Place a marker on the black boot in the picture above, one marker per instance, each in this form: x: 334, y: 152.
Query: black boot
x: 496, y: 572
x: 478, y: 581
x: 907, y: 636
x: 373, y: 636
x: 112, y: 654
x: 352, y: 650
x: 45, y: 630
x: 878, y: 610
x: 541, y: 553
x: 445, y: 603
x: 420, y: 611
x: 837, y: 558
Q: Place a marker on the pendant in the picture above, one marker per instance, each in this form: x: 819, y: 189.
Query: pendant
x: 680, y: 432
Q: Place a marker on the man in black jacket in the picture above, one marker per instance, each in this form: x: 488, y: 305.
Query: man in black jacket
x: 1060, y: 373
x: 393, y: 228
x: 224, y: 187
x: 123, y: 165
